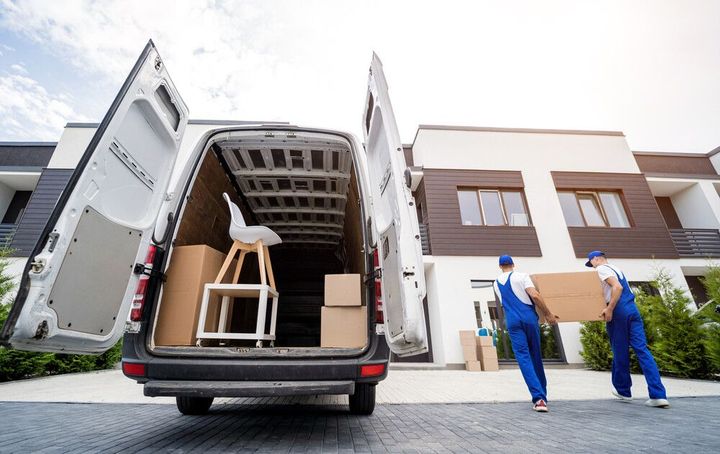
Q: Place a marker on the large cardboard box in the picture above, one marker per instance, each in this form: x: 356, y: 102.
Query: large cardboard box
x: 574, y: 297
x: 467, y: 338
x: 473, y: 366
x: 488, y: 357
x: 191, y: 267
x: 470, y: 353
x: 484, y: 341
x: 342, y: 290
x: 343, y: 327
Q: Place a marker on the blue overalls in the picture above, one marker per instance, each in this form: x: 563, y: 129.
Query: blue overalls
x: 521, y: 322
x: 626, y: 330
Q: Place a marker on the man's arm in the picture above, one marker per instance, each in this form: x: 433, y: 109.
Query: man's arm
x: 540, y: 302
x: 615, y: 292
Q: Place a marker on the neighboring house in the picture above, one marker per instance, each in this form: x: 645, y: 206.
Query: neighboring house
x: 546, y: 197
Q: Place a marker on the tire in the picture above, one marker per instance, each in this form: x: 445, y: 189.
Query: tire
x: 363, y: 401
x: 193, y: 405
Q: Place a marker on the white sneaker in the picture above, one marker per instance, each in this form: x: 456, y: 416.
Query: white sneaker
x: 660, y: 403
x: 620, y: 397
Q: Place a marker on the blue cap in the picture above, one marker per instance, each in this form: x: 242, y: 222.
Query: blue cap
x: 592, y: 255
x: 506, y: 260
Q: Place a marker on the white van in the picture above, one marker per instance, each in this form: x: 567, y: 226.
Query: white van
x: 99, y: 268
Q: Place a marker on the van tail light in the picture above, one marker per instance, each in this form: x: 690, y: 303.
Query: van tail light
x: 138, y: 301
x: 134, y: 369
x: 379, y: 314
x: 372, y: 370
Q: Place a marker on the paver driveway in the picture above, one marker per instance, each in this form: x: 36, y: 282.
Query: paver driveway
x: 571, y: 426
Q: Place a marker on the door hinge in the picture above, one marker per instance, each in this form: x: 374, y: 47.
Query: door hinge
x: 141, y: 268
x: 37, y: 266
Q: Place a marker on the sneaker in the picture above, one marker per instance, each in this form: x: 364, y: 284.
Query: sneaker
x: 540, y: 406
x: 660, y: 403
x: 620, y: 397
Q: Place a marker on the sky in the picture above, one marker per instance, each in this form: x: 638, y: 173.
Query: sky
x: 648, y: 68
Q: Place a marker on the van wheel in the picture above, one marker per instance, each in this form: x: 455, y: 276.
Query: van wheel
x: 363, y: 401
x: 193, y: 405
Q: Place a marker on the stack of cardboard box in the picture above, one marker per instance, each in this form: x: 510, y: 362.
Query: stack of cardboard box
x: 478, y: 352
x: 343, y: 320
x: 486, y: 353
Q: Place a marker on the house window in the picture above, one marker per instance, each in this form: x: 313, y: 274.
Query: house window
x: 593, y: 209
x: 492, y: 207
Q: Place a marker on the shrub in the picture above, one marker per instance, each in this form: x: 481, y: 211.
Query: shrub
x: 675, y: 337
x: 16, y: 364
x: 710, y: 317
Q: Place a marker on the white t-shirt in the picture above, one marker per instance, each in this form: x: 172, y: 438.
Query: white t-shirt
x: 605, y: 271
x: 518, y: 282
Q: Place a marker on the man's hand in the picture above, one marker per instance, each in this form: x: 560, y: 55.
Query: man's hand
x: 551, y: 318
x: 606, y: 314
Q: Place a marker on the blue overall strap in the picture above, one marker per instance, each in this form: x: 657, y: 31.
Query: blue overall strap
x: 514, y: 308
x: 627, y: 295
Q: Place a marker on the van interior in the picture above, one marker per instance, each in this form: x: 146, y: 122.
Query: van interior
x: 303, y: 186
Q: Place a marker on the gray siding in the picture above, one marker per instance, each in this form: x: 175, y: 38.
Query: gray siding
x: 42, y: 202
x: 20, y: 154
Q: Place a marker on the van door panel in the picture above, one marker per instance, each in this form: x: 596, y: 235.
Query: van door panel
x: 395, y: 223
x: 77, y: 296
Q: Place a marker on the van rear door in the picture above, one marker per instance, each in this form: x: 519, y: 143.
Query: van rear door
x: 395, y: 222
x: 77, y: 289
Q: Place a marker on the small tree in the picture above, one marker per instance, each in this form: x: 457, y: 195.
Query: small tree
x: 596, y: 350
x: 675, y: 337
x: 709, y: 316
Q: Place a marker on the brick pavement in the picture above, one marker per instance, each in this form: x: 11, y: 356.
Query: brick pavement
x: 571, y: 426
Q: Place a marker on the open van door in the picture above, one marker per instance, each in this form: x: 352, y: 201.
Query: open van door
x: 395, y: 222
x: 77, y: 288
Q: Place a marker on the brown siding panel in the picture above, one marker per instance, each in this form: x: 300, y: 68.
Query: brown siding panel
x: 648, y: 237
x: 690, y: 165
x: 447, y: 234
x: 668, y: 212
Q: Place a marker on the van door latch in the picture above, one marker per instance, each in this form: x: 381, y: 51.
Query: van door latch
x: 141, y: 268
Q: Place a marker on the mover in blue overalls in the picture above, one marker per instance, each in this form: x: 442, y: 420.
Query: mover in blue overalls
x: 516, y: 293
x: 625, y: 329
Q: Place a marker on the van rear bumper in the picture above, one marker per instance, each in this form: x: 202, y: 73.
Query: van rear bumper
x: 156, y: 388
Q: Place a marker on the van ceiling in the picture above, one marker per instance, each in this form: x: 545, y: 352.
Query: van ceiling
x: 297, y: 186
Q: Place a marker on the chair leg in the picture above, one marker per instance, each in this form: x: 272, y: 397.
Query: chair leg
x: 228, y: 261
x: 268, y: 267
x: 261, y: 261
x: 238, y: 267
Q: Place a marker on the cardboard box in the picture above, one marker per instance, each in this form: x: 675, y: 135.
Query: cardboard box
x: 467, y: 338
x: 191, y: 267
x: 574, y: 297
x: 473, y: 366
x: 484, y: 341
x: 343, y: 327
x: 342, y: 290
x: 470, y: 353
x: 490, y: 365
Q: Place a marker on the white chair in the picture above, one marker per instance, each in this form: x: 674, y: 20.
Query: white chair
x: 248, y: 238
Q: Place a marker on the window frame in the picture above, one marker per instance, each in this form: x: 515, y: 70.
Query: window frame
x: 595, y: 193
x: 499, y: 192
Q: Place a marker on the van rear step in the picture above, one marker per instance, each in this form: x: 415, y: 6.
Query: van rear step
x: 194, y: 388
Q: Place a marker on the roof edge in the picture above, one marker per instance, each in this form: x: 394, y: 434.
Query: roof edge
x: 28, y: 144
x: 522, y: 130
x: 195, y: 122
x: 670, y: 154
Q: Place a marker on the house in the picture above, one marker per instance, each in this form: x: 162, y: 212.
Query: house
x: 547, y: 197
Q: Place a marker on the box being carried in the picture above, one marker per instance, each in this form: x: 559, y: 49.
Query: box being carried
x: 574, y: 297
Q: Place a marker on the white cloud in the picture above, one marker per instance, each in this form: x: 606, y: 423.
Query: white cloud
x: 29, y: 112
x: 645, y: 67
x: 18, y: 68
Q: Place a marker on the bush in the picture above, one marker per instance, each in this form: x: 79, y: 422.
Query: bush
x: 675, y: 337
x: 16, y: 364
x: 709, y: 316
